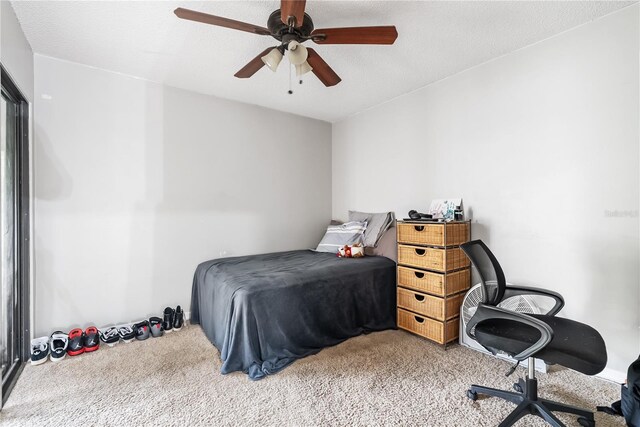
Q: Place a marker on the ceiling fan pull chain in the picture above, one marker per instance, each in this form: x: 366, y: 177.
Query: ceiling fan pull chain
x: 290, y: 90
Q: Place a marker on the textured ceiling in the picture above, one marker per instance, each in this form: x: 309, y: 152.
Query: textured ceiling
x: 436, y: 39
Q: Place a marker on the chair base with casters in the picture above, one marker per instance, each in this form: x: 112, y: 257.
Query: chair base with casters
x: 528, y: 403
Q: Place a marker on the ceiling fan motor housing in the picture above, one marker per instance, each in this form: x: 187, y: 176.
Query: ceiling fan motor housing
x: 282, y: 32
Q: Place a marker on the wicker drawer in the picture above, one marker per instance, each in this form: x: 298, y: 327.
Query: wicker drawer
x: 434, y: 283
x: 436, y: 259
x: 428, y: 328
x: 428, y: 305
x: 449, y: 234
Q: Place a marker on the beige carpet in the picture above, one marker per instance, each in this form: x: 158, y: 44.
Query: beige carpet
x: 385, y: 378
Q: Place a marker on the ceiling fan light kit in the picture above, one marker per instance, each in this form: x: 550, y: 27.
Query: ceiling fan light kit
x: 291, y: 26
x: 273, y: 58
x: 297, y: 53
x: 303, y: 68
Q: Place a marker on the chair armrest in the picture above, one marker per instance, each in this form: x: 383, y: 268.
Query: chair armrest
x: 511, y: 291
x: 486, y: 312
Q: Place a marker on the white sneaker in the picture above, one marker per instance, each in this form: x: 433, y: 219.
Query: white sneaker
x: 39, y: 350
x: 126, y: 333
x: 109, y: 335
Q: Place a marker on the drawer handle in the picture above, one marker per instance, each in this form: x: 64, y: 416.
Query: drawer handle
x: 419, y: 319
x: 420, y: 252
x: 418, y: 275
x: 419, y: 297
x: 419, y: 227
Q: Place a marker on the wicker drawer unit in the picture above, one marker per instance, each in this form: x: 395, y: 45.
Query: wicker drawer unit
x: 433, y: 275
x: 434, y: 307
x: 449, y: 234
x: 434, y: 283
x: 429, y: 258
x: 428, y: 328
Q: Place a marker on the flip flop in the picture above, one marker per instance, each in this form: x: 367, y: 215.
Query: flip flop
x: 76, y: 342
x: 91, y: 339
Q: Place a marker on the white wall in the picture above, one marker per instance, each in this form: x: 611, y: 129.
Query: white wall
x: 541, y: 144
x: 15, y: 52
x: 137, y: 183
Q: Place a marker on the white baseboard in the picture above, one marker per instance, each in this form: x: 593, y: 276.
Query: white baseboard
x: 187, y: 315
x: 612, y: 375
x: 607, y: 374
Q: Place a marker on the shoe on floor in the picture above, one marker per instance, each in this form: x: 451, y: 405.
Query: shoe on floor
x: 142, y: 330
x: 178, y: 319
x: 58, y: 346
x: 76, y: 342
x: 109, y: 335
x: 91, y: 339
x: 155, y: 324
x: 39, y: 350
x: 167, y: 323
x: 126, y: 333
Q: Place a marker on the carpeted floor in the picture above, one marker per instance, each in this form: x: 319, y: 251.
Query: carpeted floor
x: 385, y: 378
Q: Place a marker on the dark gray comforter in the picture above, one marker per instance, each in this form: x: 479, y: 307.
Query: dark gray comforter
x: 265, y: 311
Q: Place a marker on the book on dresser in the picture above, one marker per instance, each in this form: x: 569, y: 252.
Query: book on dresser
x: 432, y: 278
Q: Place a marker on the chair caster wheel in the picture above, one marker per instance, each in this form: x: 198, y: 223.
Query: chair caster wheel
x: 586, y: 422
x: 472, y: 395
x: 517, y: 387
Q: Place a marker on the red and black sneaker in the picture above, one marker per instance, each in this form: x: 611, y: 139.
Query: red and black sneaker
x: 155, y: 323
x: 76, y: 342
x: 142, y: 330
x: 91, y: 339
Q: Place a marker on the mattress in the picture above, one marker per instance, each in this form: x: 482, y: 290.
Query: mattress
x: 263, y: 312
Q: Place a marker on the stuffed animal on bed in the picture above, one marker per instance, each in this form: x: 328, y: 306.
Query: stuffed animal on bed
x: 353, y: 251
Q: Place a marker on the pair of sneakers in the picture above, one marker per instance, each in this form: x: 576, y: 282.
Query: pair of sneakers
x: 173, y: 319
x: 53, y: 347
x: 126, y: 332
x: 111, y: 335
x: 59, y: 344
x: 83, y: 341
x: 148, y: 328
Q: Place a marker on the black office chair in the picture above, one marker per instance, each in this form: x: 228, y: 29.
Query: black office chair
x: 528, y: 336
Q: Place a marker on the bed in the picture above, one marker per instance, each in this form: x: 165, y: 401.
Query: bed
x: 263, y: 312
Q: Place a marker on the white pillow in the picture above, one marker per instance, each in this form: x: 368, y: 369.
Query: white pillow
x: 337, y: 236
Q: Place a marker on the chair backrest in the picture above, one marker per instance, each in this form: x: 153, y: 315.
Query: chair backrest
x: 491, y: 275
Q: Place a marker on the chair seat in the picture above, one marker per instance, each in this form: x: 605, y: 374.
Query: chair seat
x: 574, y: 345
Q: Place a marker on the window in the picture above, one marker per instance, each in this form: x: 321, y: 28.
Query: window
x: 14, y: 233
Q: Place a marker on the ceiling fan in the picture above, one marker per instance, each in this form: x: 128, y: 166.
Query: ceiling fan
x: 291, y: 26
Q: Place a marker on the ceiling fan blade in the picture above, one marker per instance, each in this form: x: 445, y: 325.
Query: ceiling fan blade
x: 321, y: 69
x: 192, y: 15
x: 253, y: 66
x: 293, y: 8
x: 356, y: 35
